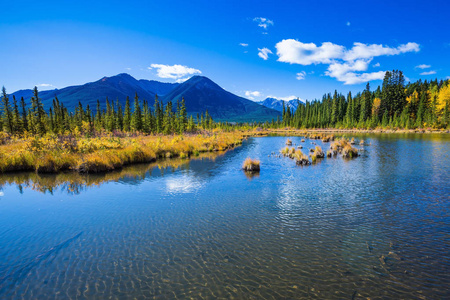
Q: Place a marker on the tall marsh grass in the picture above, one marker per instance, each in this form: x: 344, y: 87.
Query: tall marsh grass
x: 53, y: 153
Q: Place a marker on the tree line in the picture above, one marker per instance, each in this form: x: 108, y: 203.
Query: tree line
x: 19, y: 118
x: 394, y: 104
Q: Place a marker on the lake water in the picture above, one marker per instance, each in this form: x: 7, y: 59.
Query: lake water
x: 375, y: 226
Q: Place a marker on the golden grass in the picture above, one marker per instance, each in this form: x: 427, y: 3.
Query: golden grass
x: 53, y: 154
x: 318, y: 152
x: 74, y: 183
x: 251, y: 165
x: 349, y: 152
x: 285, y: 151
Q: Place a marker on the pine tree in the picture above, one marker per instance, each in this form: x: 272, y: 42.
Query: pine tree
x: 7, y: 112
x: 127, y: 116
x: 24, y: 114
x: 136, y: 120
x: 37, y: 114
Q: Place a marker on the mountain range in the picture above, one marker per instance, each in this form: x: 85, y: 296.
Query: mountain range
x: 277, y: 104
x: 200, y: 94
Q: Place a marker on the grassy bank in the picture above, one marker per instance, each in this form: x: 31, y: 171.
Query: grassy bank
x: 51, y: 153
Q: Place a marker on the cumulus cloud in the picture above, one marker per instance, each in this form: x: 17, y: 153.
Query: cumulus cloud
x: 295, y: 52
x: 301, y: 75
x: 263, y: 22
x: 252, y: 94
x: 376, y: 65
x: 423, y: 66
x: 243, y: 44
x: 264, y: 53
x: 343, y: 64
x: 174, y: 71
x: 360, y: 50
x: 181, y: 80
x: 45, y: 86
x: 428, y: 73
x: 348, y: 23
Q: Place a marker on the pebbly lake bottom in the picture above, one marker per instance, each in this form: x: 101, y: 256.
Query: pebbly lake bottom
x: 377, y: 226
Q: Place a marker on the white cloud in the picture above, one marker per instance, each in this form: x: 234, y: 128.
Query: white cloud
x: 343, y: 63
x: 243, y: 44
x: 252, y: 94
x: 360, y: 50
x: 346, y: 72
x: 46, y: 86
x: 423, y: 66
x: 128, y: 69
x: 348, y: 23
x: 173, y: 72
x: 428, y: 73
x: 264, y: 53
x: 263, y: 22
x: 376, y: 65
x: 295, y: 52
x: 181, y: 80
x: 301, y: 75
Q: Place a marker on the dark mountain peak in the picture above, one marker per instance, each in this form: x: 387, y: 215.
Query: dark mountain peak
x: 201, y: 82
x: 122, y: 77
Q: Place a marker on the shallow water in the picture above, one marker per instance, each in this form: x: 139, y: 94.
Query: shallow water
x: 376, y: 226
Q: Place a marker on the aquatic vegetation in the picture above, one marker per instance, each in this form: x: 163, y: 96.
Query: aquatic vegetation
x: 251, y: 165
x: 52, y: 153
x: 361, y: 142
x: 349, y: 152
x: 300, y: 158
x: 289, y: 142
x: 318, y: 152
x: 285, y: 151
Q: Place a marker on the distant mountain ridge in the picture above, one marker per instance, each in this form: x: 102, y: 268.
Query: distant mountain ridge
x: 200, y: 94
x: 277, y: 104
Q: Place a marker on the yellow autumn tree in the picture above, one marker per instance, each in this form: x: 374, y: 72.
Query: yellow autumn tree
x: 443, y: 98
x: 376, y: 106
x: 414, y: 97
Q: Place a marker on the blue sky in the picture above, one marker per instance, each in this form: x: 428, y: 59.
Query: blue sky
x: 252, y: 48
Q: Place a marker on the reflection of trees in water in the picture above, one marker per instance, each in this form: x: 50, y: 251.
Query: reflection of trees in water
x: 75, y: 183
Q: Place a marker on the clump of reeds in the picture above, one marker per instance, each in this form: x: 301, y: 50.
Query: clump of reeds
x: 361, y: 142
x: 285, y: 151
x: 318, y: 152
x: 251, y: 165
x: 352, y: 141
x: 327, y: 138
x: 303, y: 140
x: 349, y: 152
x: 289, y: 142
x: 301, y: 159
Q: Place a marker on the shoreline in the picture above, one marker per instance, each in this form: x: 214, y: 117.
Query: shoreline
x: 105, y: 154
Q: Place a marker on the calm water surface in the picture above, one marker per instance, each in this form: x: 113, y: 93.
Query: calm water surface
x: 376, y: 226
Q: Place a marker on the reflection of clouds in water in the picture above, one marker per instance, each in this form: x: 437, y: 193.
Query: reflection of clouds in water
x: 182, y: 184
x: 2, y: 194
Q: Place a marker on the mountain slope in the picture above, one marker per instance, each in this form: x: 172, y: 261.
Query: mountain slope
x: 201, y: 94
x: 114, y: 87
x: 277, y: 104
